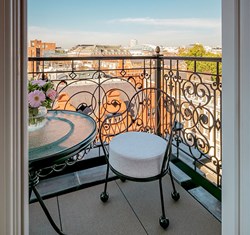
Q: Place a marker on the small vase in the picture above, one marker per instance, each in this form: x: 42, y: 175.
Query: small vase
x: 37, y: 118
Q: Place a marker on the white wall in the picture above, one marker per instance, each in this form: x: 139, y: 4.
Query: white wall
x: 244, y: 169
x: 236, y: 116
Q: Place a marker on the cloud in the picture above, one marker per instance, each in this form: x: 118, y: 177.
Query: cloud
x: 70, y: 38
x: 165, y: 37
x: 185, y: 22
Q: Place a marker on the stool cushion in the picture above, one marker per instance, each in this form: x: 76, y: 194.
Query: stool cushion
x: 137, y: 154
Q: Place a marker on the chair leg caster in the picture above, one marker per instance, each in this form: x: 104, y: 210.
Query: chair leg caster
x: 175, y: 196
x: 164, y: 222
x: 104, y: 197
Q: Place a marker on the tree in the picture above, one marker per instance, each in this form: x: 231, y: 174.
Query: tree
x: 198, y: 50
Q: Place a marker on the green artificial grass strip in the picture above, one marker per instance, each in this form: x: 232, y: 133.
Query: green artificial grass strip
x: 199, y: 180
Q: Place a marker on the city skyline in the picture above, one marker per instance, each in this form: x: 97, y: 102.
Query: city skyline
x: 167, y: 23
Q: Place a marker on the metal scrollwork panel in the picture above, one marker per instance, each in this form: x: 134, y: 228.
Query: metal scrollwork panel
x: 61, y: 166
x: 98, y: 96
x: 198, y: 100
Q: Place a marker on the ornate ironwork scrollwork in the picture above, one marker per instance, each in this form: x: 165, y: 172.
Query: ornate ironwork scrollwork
x: 44, y: 172
x: 101, y: 91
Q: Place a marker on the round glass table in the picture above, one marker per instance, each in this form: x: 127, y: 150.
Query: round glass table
x: 65, y: 134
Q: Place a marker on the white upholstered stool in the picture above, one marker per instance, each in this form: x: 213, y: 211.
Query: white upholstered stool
x: 140, y: 156
x: 137, y: 154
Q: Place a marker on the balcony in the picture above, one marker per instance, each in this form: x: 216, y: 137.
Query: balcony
x: 101, y: 86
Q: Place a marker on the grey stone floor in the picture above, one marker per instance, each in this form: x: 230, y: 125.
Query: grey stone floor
x: 132, y: 209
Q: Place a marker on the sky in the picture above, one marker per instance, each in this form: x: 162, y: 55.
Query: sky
x: 116, y: 22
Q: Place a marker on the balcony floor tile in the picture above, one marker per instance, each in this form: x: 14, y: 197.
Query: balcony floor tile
x: 83, y: 213
x: 133, y: 208
x: 39, y: 224
x: 186, y: 216
x: 57, y: 184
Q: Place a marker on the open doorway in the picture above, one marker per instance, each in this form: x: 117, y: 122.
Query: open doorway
x: 230, y: 9
x: 81, y: 36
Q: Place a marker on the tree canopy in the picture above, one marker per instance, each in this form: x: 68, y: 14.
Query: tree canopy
x: 198, y: 50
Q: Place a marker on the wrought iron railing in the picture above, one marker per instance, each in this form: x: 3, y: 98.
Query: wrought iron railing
x: 103, y: 85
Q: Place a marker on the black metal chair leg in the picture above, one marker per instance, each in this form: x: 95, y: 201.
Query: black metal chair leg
x: 104, y: 195
x: 164, y: 222
x: 53, y: 224
x: 175, y: 195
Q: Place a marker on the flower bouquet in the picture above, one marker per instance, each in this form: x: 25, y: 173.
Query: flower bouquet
x: 40, y: 97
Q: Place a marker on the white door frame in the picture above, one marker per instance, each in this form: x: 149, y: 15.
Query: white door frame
x: 236, y: 117
x: 13, y: 118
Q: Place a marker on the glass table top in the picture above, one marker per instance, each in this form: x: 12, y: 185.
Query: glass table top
x: 65, y: 133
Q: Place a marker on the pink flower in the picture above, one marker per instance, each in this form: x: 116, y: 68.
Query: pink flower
x: 35, y: 98
x: 40, y: 83
x: 51, y: 94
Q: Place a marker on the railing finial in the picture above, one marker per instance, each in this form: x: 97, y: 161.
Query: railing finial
x: 157, y: 50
